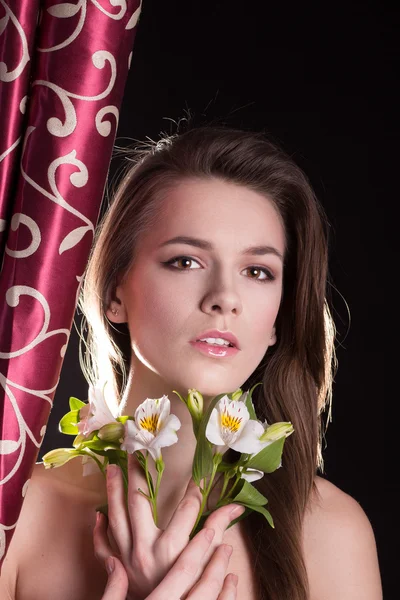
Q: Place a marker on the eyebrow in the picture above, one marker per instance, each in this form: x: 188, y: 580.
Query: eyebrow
x: 204, y: 245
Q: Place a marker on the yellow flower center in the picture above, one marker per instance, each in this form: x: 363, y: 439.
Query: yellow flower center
x: 230, y: 422
x: 150, y: 423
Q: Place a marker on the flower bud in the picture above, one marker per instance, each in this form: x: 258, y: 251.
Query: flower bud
x: 276, y: 431
x: 237, y: 394
x: 195, y: 404
x: 58, y: 457
x: 78, y: 440
x: 112, y: 432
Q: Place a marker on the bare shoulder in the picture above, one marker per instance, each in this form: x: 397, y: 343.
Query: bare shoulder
x: 53, y: 537
x: 339, y: 547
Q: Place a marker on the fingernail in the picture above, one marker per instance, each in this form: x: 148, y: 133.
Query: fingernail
x: 98, y: 516
x: 234, y: 579
x: 228, y: 549
x: 110, y: 564
x: 210, y: 534
x: 237, y: 511
x: 111, y: 471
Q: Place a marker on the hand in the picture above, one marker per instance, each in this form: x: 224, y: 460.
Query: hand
x: 213, y: 584
x: 146, y: 552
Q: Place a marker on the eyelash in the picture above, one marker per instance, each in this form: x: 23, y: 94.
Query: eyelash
x: 268, y: 273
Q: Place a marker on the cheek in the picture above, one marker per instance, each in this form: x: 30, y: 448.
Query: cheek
x: 264, y: 313
x: 158, y: 309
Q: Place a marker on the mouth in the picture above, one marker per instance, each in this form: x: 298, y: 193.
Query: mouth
x: 214, y: 350
x: 218, y: 344
x: 217, y: 338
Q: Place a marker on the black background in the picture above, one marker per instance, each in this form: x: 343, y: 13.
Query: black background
x: 308, y: 75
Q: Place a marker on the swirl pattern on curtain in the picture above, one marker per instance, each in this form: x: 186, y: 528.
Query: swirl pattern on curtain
x: 63, y: 68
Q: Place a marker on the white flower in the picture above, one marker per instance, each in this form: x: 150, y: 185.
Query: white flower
x: 153, y: 427
x: 95, y: 414
x: 230, y: 426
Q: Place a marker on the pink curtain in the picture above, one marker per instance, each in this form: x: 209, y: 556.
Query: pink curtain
x: 63, y: 68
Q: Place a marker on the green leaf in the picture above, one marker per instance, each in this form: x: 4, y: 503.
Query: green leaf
x: 203, y: 456
x: 97, y: 444
x: 263, y: 511
x: 268, y: 459
x: 249, y: 403
x: 253, y: 388
x: 80, y: 439
x: 75, y: 403
x: 248, y: 495
x: 250, y: 407
x: 68, y: 423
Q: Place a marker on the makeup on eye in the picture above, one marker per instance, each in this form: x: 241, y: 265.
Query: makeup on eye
x: 269, y: 277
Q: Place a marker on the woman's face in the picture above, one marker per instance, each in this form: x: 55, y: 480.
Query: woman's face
x: 217, y: 286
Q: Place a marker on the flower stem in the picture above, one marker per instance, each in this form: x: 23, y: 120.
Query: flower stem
x: 238, y: 477
x: 152, y: 493
x: 225, y: 485
x: 160, y: 470
x: 205, y: 493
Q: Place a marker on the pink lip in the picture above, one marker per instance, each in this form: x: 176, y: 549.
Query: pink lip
x: 215, y: 333
x: 215, y: 351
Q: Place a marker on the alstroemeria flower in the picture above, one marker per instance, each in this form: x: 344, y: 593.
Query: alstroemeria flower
x: 95, y: 414
x: 153, y: 428
x: 230, y: 426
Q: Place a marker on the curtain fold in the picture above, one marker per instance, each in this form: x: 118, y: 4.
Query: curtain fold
x: 63, y: 68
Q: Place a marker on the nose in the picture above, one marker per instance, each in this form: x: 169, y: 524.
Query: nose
x: 222, y: 298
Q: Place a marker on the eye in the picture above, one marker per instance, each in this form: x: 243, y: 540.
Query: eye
x: 181, y: 259
x: 264, y: 271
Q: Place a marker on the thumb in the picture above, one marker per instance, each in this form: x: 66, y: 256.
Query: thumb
x: 117, y: 584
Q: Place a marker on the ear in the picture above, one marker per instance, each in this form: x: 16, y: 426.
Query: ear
x: 273, y: 338
x: 116, y: 312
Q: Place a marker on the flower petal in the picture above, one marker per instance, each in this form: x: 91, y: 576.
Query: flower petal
x: 164, y: 410
x: 213, y: 429
x: 131, y: 445
x: 147, y: 415
x: 167, y: 435
x: 134, y: 439
x: 248, y: 441
x: 252, y: 474
x: 99, y: 407
x: 233, y: 417
x: 98, y: 414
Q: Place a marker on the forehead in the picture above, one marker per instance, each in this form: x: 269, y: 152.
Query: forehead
x: 219, y: 210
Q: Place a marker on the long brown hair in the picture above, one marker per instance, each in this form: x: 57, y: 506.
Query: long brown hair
x: 296, y: 372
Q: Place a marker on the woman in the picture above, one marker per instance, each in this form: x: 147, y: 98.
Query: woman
x: 212, y: 233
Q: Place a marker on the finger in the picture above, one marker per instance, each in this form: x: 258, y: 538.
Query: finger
x: 229, y: 591
x: 182, y: 521
x: 212, y: 580
x: 219, y: 520
x: 117, y: 584
x: 182, y: 575
x: 118, y: 518
x: 101, y: 543
x: 143, y: 528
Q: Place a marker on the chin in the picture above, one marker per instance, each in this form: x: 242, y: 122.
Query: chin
x: 210, y: 386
